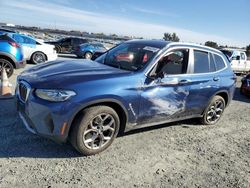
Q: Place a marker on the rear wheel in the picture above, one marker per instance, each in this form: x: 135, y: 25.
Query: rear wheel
x: 214, y: 111
x: 7, y: 66
x: 95, y: 130
x: 38, y: 57
x: 88, y: 55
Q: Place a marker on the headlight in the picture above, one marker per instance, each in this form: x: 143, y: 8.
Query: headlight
x: 54, y: 95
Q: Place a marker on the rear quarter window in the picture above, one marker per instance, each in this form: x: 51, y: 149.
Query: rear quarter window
x: 220, y: 64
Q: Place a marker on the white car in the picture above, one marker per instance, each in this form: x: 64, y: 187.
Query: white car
x: 34, y: 49
x: 238, y: 60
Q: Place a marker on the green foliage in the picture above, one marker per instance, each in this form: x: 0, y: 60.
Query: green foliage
x: 171, y: 37
x: 211, y: 44
x: 248, y: 50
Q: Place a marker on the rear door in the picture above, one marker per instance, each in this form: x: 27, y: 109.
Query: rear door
x: 204, y: 78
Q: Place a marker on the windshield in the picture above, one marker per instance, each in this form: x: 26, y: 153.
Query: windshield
x: 129, y: 56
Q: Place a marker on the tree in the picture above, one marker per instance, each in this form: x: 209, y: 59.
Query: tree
x: 248, y: 50
x: 171, y: 37
x: 211, y: 44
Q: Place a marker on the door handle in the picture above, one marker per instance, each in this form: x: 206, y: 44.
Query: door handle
x: 184, y: 81
x: 216, y: 79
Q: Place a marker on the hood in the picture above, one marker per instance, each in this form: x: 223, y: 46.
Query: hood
x: 62, y: 73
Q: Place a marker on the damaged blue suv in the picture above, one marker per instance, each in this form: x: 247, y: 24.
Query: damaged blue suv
x: 135, y: 84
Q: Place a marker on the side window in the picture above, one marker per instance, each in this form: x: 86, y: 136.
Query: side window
x: 27, y: 40
x: 220, y: 64
x: 201, y: 62
x: 242, y: 56
x: 175, y: 62
x: 68, y: 40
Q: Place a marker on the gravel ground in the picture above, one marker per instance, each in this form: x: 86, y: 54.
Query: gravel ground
x: 182, y: 154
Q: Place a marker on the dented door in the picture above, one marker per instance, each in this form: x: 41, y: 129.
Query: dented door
x: 162, y: 99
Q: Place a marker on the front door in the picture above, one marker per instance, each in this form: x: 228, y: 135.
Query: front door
x: 164, y: 95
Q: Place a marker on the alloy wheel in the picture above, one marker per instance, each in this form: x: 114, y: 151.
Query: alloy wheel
x: 99, y: 131
x: 215, y: 111
x: 39, y: 58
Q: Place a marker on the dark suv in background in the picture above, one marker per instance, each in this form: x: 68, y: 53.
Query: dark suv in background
x: 68, y: 44
x: 135, y: 84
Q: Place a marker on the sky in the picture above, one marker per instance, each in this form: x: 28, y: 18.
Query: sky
x: 226, y: 22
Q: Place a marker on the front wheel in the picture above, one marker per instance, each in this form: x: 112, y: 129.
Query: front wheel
x: 214, y: 111
x: 38, y: 57
x: 95, y: 130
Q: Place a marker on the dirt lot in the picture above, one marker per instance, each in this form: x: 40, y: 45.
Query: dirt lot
x: 183, y: 154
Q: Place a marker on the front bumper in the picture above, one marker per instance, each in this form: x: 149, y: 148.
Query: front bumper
x: 51, y: 120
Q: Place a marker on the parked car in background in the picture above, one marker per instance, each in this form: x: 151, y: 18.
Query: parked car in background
x: 89, y: 50
x: 34, y: 49
x: 238, y: 60
x: 245, y: 85
x: 3, y: 31
x: 11, y: 55
x: 68, y: 44
x: 136, y: 84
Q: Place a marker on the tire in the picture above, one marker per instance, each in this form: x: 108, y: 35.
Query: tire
x: 88, y: 55
x: 88, y: 135
x: 58, y: 49
x: 9, y: 68
x: 38, y: 57
x: 214, y: 111
x: 241, y: 90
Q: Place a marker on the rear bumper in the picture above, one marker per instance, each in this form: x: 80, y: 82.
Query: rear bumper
x: 20, y: 64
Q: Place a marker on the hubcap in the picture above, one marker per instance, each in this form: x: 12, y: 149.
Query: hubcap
x: 99, y: 131
x: 39, y: 58
x: 88, y: 56
x: 215, y: 111
x: 6, y: 66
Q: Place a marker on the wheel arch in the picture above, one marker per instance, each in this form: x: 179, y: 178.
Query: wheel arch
x: 223, y: 93
x: 112, y: 103
x: 9, y: 58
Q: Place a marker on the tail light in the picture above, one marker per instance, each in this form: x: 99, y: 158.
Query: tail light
x: 14, y: 44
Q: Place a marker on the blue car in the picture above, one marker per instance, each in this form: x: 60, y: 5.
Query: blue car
x: 89, y: 50
x: 11, y: 55
x: 136, y: 84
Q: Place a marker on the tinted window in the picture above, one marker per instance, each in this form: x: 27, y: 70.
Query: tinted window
x: 175, y: 62
x: 201, y: 62
x: 220, y: 64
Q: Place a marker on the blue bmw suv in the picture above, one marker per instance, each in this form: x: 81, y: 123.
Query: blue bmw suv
x: 135, y: 84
